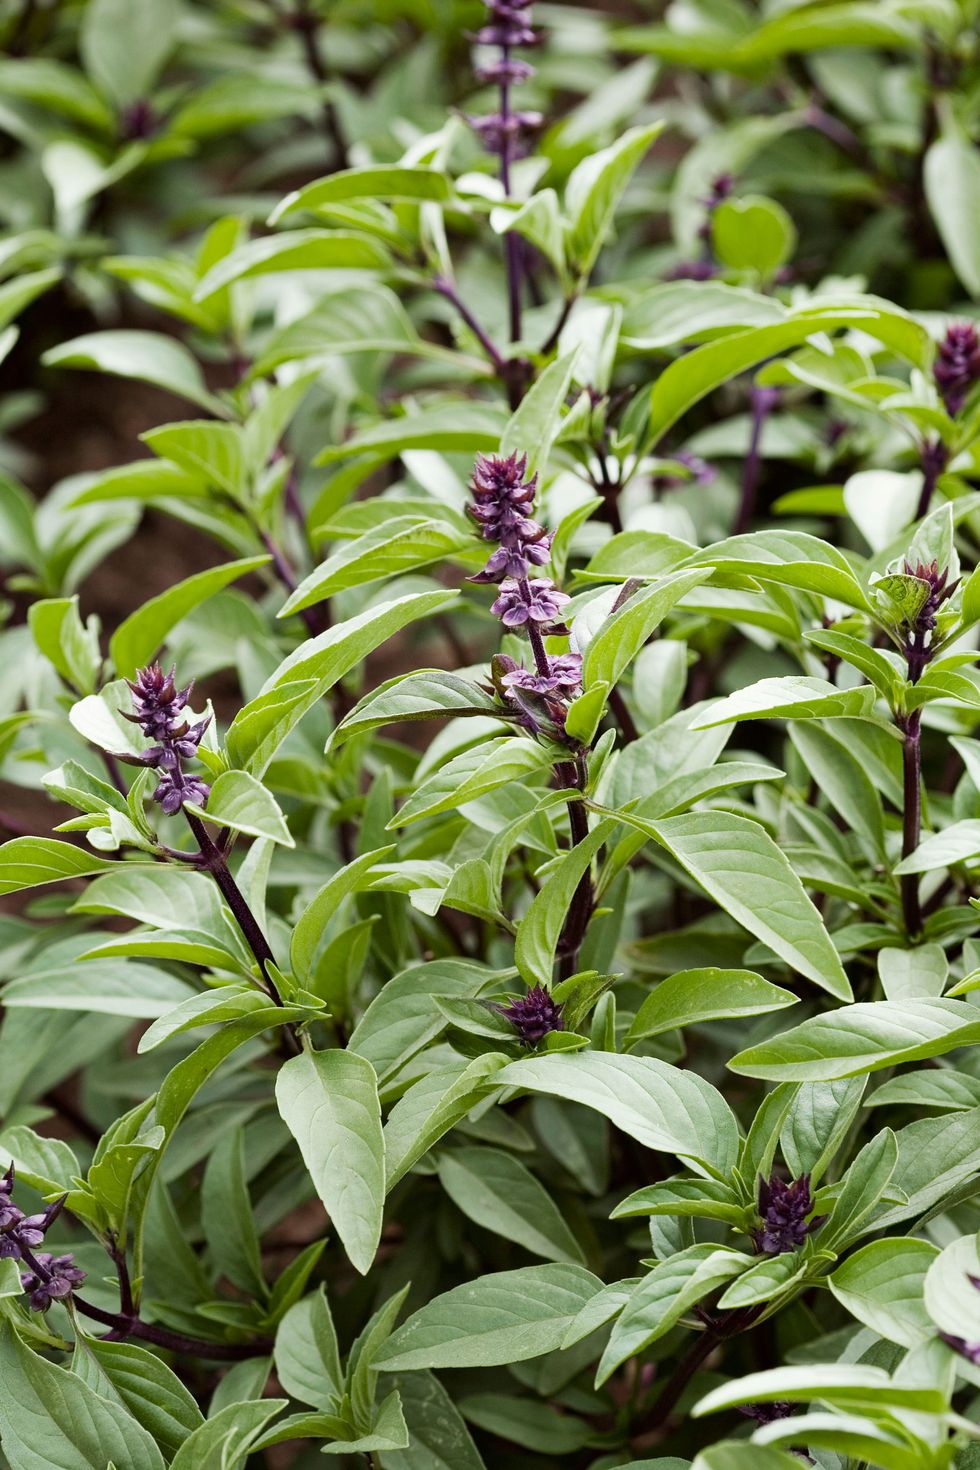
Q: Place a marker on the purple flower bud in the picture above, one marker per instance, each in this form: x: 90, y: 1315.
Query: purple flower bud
x: 957, y: 365
x: 783, y: 1209
x: 766, y: 1413
x: 57, y: 1278
x: 537, y: 602
x: 499, y: 132
x: 156, y: 701
x: 175, y: 788
x: 534, y: 1015
x: 940, y: 590
x: 157, y: 706
x: 968, y: 1350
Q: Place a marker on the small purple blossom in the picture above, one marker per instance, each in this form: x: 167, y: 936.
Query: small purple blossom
x: 783, y: 1210
x: 536, y: 602
x: 57, y: 1278
x: 957, y: 365
x: 534, y: 1015
x: 507, y: 27
x: 565, y: 677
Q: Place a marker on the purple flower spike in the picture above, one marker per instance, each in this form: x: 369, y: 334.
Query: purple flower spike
x: 534, y: 1015
x: 158, y: 707
x: 783, y: 1209
x: 957, y: 365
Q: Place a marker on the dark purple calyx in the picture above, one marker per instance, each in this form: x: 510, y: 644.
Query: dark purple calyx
x: 783, y: 1211
x: 56, y: 1279
x: 534, y: 1015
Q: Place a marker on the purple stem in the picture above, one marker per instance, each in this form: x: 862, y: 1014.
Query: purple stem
x: 214, y: 862
x: 447, y: 289
x: 287, y: 577
x: 515, y: 255
x: 763, y: 400
x: 911, y: 817
x: 933, y: 457
x: 123, y: 1325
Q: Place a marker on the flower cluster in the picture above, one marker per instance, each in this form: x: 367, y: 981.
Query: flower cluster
x: 50, y: 1278
x: 508, y: 26
x: 940, y: 590
x: 705, y: 268
x: 957, y: 365
x: 158, y: 707
x: 783, y: 1211
x: 534, y: 1015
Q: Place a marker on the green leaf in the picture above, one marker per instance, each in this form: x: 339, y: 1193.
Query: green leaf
x: 856, y: 1385
x: 214, y: 451
x: 51, y: 1420
x: 355, y: 319
x: 949, y: 1294
x: 261, y: 726
x: 752, y: 234
x: 124, y: 44
x: 332, y: 654
x: 738, y: 865
x: 662, y: 1298
x: 150, y: 357
x: 307, y: 1356
x: 402, y: 1018
x: 309, y: 930
x: 881, y: 1285
x: 694, y: 996
x: 660, y: 1106
x: 402, y: 182
x: 29, y: 862
x: 439, y: 1438
x: 329, y: 1102
x: 151, y: 1391
x: 66, y: 642
x: 495, y: 1190
x: 474, y: 773
x: 140, y: 636
x: 787, y: 699
x: 863, y: 1186
x: 622, y: 635
x: 957, y: 843
x: 297, y: 250
x: 790, y: 559
x: 540, y: 929
x: 595, y: 188
x: 242, y: 803
x: 506, y: 1317
x: 433, y: 1105
x: 951, y: 175
x: 113, y: 987
x: 226, y: 1217
x: 225, y: 1438
x: 943, y: 1088
x: 401, y: 544
x: 422, y: 695
x: 861, y: 1038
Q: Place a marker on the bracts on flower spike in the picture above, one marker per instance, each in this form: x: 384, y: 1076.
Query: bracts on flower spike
x: 158, y: 707
x: 783, y: 1211
x: 48, y: 1278
x: 534, y: 1015
x: 957, y: 365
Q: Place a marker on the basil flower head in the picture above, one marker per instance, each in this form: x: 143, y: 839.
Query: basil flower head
x: 783, y: 1210
x: 158, y: 707
x: 57, y: 1278
x: 957, y: 365
x: 534, y: 1015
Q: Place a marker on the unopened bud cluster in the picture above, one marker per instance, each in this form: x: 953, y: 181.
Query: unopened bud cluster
x: 783, y: 1212
x: 957, y: 365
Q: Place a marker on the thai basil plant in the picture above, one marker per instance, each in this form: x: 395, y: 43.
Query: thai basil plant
x: 490, y: 950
